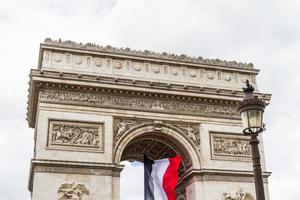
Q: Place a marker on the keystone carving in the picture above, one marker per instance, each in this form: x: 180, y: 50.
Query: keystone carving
x: 72, y: 191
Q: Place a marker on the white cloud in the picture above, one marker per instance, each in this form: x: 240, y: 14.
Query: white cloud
x: 263, y: 32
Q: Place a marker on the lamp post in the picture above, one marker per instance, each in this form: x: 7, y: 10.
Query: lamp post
x: 251, y: 109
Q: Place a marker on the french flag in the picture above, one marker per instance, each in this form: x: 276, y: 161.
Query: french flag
x: 160, y: 178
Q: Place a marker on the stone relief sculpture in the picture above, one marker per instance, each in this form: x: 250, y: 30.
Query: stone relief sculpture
x: 231, y: 146
x: 123, y: 126
x: 139, y: 103
x: 191, y: 133
x: 238, y: 196
x: 74, y: 134
x: 72, y: 191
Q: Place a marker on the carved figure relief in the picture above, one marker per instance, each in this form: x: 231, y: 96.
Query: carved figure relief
x: 230, y: 145
x: 122, y: 127
x: 191, y: 133
x: 238, y: 196
x: 75, y: 134
x: 139, y: 103
x: 72, y: 191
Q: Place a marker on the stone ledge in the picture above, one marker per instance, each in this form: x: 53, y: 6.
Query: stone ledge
x: 223, y: 175
x: 71, y: 167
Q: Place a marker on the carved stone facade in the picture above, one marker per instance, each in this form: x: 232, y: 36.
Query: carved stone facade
x: 226, y: 146
x: 93, y: 107
x: 75, y: 135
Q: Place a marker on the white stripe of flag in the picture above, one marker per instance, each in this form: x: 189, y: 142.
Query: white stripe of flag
x: 161, y: 178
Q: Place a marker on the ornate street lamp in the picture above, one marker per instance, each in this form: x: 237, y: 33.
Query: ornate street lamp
x: 251, y: 109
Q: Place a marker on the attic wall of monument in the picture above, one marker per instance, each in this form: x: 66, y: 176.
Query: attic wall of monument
x: 146, y: 70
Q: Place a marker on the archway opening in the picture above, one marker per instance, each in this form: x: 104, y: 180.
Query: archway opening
x: 156, y: 146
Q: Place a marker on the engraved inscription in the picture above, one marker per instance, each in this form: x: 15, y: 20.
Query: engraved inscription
x: 75, y: 134
x: 230, y: 146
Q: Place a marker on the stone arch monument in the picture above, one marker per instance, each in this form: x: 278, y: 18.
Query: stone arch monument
x: 93, y: 107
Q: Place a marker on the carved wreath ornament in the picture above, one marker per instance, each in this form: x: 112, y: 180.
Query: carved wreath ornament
x: 72, y: 191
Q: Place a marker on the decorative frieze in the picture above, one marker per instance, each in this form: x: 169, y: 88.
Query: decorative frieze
x: 75, y: 135
x: 140, y: 103
x: 72, y: 191
x: 228, y: 146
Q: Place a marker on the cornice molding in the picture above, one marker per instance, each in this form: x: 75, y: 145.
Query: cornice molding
x: 199, y: 174
x: 72, y: 167
x: 84, y: 79
x: 132, y: 91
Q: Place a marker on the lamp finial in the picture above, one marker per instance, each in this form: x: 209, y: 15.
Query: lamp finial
x: 249, y: 88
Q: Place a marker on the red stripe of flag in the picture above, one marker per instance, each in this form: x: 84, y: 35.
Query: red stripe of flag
x: 170, y: 178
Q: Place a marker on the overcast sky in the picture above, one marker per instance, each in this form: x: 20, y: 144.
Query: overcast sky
x: 266, y: 33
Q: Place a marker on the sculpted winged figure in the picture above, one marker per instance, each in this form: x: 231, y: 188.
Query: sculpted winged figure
x: 72, y: 191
